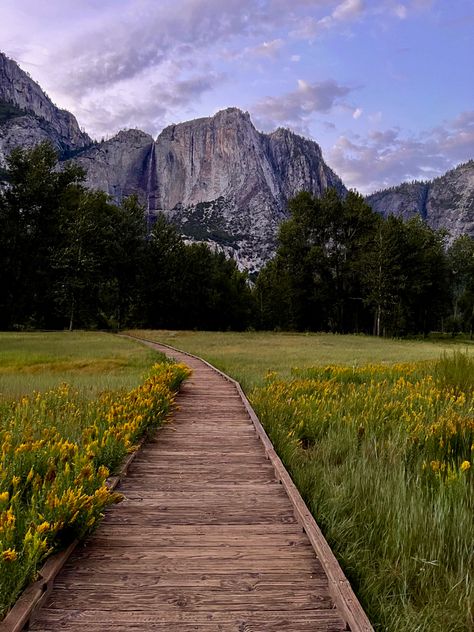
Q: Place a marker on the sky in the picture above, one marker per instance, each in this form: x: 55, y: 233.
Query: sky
x: 385, y: 87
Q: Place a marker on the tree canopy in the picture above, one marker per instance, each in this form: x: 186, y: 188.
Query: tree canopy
x: 71, y: 258
x: 342, y: 267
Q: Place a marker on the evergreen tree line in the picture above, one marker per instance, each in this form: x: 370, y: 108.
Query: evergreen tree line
x: 71, y: 258
x: 342, y: 267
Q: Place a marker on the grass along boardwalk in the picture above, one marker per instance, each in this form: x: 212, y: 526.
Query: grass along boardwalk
x: 206, y: 539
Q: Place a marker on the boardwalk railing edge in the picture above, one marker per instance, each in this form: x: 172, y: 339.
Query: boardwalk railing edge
x: 339, y: 586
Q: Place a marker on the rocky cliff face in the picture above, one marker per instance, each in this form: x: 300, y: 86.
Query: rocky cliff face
x: 446, y: 202
x: 28, y: 116
x: 120, y: 166
x: 222, y: 181
x: 218, y: 179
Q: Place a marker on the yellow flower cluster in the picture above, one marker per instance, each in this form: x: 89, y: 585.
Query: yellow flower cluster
x: 376, y: 403
x: 57, y: 449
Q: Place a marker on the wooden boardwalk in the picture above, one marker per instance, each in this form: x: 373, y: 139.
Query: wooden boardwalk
x: 206, y: 540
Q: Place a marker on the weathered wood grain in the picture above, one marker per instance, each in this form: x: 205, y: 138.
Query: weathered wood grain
x: 235, y: 621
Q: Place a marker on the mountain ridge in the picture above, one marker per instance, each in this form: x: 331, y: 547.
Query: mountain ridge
x: 217, y: 178
x: 433, y: 200
x: 35, y: 117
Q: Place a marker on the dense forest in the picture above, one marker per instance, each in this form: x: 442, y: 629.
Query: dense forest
x: 342, y: 267
x: 71, y: 258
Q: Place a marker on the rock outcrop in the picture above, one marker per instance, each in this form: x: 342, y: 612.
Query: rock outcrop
x: 120, y: 166
x: 445, y: 202
x: 28, y: 116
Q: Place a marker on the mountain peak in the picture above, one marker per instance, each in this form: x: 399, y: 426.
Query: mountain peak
x: 232, y: 112
x: 132, y: 134
x: 35, y: 117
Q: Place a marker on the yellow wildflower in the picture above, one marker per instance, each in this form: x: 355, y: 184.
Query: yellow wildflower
x: 43, y: 527
x: 103, y: 471
x: 9, y: 518
x: 465, y: 465
x: 10, y: 555
x: 4, y: 496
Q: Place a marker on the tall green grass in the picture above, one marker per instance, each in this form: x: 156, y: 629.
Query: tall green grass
x: 383, y: 457
x: 455, y: 370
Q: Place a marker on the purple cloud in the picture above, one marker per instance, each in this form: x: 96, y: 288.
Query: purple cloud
x: 293, y: 109
x: 386, y: 158
x: 153, y: 110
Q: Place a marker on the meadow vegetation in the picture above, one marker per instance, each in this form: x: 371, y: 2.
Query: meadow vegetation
x: 90, y: 362
x: 383, y: 457
x: 58, y: 446
x: 249, y: 356
x: 382, y: 452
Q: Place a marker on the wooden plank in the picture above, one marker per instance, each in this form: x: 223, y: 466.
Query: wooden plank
x: 222, y: 581
x: 263, y: 495
x: 192, y: 599
x: 202, y: 517
x: 236, y: 621
x: 126, y: 539
x: 201, y: 458
x: 207, y: 530
x: 85, y: 568
x: 190, y: 470
x: 205, y: 442
x: 282, y: 625
x: 170, y: 481
x: 139, y: 617
x: 209, y: 554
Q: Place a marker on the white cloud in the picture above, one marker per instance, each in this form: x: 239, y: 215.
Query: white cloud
x: 348, y: 10
x: 159, y: 100
x: 400, y: 11
x: 295, y: 58
x: 357, y: 113
x: 376, y: 117
x: 267, y: 49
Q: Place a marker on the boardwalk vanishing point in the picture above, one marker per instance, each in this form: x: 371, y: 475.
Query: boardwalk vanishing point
x: 212, y: 535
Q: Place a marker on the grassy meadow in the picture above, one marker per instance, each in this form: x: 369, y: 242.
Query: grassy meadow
x: 378, y: 435
x: 71, y: 407
x: 90, y: 362
x: 249, y: 356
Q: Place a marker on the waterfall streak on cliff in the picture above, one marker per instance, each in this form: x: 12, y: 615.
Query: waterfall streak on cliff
x: 151, y: 187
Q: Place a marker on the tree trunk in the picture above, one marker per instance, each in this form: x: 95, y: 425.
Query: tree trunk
x: 377, y: 320
x: 71, y: 313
